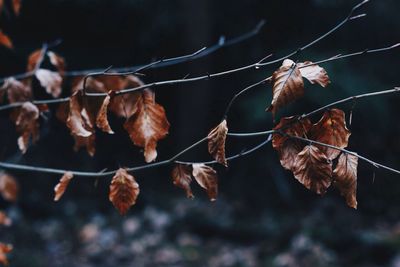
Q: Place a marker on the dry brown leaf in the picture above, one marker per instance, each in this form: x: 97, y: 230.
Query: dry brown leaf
x: 57, y: 61
x: 345, y: 178
x: 51, y: 81
x: 87, y: 142
x: 8, y: 187
x: 5, y: 40
x: 4, y: 219
x: 289, y: 148
x: 207, y: 178
x: 78, y: 120
x: 27, y: 125
x: 62, y: 185
x: 17, y: 91
x: 216, y: 142
x: 102, y: 119
x: 181, y: 177
x: 4, y: 250
x: 287, y: 86
x: 314, y: 73
x: 16, y: 5
x: 331, y: 130
x: 313, y: 169
x: 123, y: 191
x: 147, y: 125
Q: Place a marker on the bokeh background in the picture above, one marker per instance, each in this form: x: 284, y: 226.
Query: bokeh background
x: 263, y: 216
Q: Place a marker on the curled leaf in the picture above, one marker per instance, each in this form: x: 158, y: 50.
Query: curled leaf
x: 27, y: 125
x: 4, y: 250
x: 50, y: 80
x: 62, y: 185
x: 314, y: 73
x: 216, y: 142
x: 123, y: 191
x: 287, y: 85
x: 313, y: 169
x: 78, y: 121
x: 8, y: 187
x: 101, y: 119
x: 5, y: 40
x: 207, y: 178
x: 345, y: 178
x: 181, y: 177
x: 331, y: 130
x: 147, y: 125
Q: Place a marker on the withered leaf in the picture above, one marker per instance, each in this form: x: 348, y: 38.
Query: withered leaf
x: 207, y: 178
x: 4, y: 250
x: 27, y: 125
x: 313, y: 169
x: 123, y: 191
x: 57, y: 61
x: 345, y: 178
x: 216, y: 142
x: 4, y: 219
x: 17, y: 91
x: 78, y: 119
x: 87, y: 142
x: 181, y: 177
x: 331, y: 130
x: 62, y: 185
x: 314, y: 73
x: 8, y: 187
x: 50, y: 80
x: 102, y: 119
x: 5, y: 40
x: 16, y: 5
x: 147, y: 125
x: 289, y: 148
x: 287, y: 85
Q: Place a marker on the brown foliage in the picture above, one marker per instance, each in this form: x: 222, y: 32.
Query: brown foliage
x: 207, y: 178
x: 27, y: 125
x: 181, y: 177
x: 314, y: 73
x: 123, y: 191
x: 8, y: 187
x: 4, y: 219
x: 5, y: 40
x: 216, y: 142
x: 62, y: 185
x: 4, y: 250
x: 345, y: 178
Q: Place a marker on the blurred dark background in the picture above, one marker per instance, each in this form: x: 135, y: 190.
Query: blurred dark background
x: 263, y: 216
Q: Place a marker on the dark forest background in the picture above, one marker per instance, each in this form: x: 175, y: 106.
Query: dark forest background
x: 263, y: 216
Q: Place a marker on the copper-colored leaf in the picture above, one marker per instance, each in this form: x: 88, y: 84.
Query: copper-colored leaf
x: 207, y: 178
x: 123, y: 191
x: 313, y: 169
x: 4, y: 219
x: 314, y: 73
x: 16, y: 5
x: 8, y: 187
x: 345, y: 178
x: 27, y: 125
x: 78, y: 119
x: 147, y: 125
x: 102, y: 119
x: 181, y: 177
x: 87, y: 142
x: 287, y: 85
x: 17, y: 91
x: 4, y: 250
x: 57, y: 61
x: 5, y: 40
x: 286, y: 147
x: 216, y: 142
x: 62, y: 185
x: 332, y: 130
x: 50, y: 80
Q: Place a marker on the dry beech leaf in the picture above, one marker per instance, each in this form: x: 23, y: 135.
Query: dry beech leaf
x: 4, y: 250
x: 314, y: 73
x: 147, y: 125
x: 57, y: 61
x: 78, y: 121
x: 50, y: 80
x: 181, y: 177
x: 345, y: 178
x: 102, y: 119
x: 289, y: 148
x: 17, y: 91
x: 216, y: 142
x: 207, y: 178
x: 87, y: 142
x: 27, y: 125
x: 4, y: 219
x: 287, y: 85
x: 62, y: 185
x: 331, y: 130
x: 8, y: 187
x: 5, y: 40
x: 123, y: 191
x: 313, y: 169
